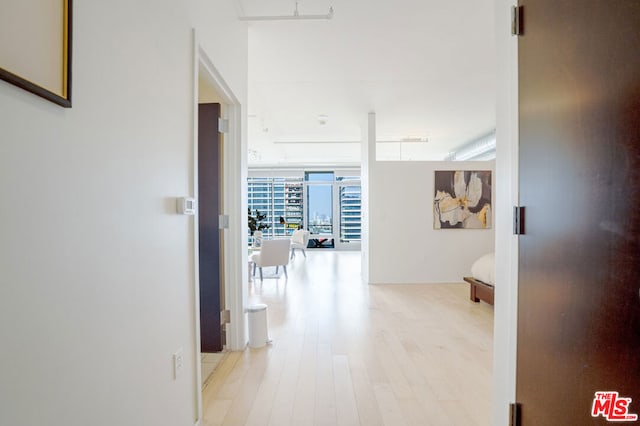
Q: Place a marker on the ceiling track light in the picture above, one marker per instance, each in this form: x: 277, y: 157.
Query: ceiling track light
x: 295, y: 17
x: 412, y: 139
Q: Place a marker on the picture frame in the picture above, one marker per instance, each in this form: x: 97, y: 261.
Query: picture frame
x: 462, y: 199
x: 36, y: 47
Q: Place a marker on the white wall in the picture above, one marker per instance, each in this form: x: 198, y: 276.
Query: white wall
x: 96, y: 269
x: 404, y: 247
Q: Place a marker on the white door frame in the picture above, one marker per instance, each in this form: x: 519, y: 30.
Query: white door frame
x: 232, y: 236
x: 507, y: 196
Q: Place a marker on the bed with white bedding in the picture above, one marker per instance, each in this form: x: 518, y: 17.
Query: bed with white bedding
x: 483, y: 278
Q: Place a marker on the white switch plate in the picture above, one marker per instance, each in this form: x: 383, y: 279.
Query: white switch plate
x: 178, y: 363
x: 186, y: 205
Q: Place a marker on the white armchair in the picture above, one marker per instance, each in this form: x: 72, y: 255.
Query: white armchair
x: 299, y: 240
x: 272, y: 253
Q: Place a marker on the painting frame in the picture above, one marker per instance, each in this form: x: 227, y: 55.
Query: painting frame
x: 463, y: 199
x: 63, y: 96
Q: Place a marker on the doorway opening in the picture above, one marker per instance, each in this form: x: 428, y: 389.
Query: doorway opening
x: 210, y: 90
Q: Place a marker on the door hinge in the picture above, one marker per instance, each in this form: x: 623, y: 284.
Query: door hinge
x: 518, y: 220
x: 223, y: 125
x: 517, y: 22
x: 514, y: 414
x: 223, y: 221
x: 225, y: 317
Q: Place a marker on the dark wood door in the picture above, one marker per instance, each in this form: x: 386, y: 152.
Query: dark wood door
x: 209, y: 233
x: 579, y: 260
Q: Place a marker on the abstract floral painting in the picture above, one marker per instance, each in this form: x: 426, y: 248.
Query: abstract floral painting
x: 462, y: 199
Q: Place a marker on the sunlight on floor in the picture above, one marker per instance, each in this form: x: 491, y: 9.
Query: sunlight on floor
x: 348, y: 353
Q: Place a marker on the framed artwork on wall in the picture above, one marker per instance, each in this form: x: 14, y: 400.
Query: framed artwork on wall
x: 35, y: 47
x: 462, y: 199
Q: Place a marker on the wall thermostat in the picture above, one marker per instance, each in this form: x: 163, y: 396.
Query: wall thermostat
x: 186, y: 205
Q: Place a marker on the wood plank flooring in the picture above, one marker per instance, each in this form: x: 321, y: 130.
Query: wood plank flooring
x: 344, y: 353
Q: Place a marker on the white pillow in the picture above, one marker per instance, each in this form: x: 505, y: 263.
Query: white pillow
x: 484, y: 269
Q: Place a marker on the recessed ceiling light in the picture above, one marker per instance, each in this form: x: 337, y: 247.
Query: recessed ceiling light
x: 322, y: 119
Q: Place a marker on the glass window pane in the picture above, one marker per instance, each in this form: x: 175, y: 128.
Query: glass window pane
x: 320, y: 209
x: 318, y: 176
x: 350, y: 214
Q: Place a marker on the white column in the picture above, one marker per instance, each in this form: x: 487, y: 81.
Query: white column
x: 367, y: 174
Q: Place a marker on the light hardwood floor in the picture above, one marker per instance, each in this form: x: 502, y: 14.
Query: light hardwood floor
x: 344, y: 353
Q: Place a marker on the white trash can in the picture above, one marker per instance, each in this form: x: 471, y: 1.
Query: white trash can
x: 258, y: 330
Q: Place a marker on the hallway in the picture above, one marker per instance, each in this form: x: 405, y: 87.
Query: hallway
x: 344, y: 353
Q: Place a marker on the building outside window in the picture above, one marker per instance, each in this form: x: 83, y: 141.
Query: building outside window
x: 278, y: 198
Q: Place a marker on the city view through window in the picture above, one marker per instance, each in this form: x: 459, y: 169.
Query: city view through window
x: 327, y: 204
x: 320, y: 202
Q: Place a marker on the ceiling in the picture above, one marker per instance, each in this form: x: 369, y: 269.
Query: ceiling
x: 425, y: 67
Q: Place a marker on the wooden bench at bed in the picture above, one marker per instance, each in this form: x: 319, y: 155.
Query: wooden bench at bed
x: 479, y: 291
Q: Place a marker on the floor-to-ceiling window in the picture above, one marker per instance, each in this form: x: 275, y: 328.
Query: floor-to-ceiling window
x: 319, y: 206
x: 325, y: 202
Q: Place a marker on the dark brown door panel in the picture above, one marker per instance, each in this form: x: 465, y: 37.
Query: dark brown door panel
x: 579, y: 279
x: 209, y: 233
